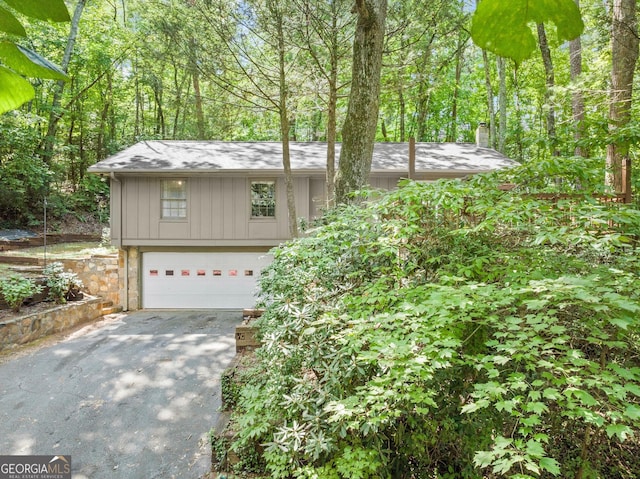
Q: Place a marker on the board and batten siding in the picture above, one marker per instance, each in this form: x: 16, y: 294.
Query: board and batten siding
x: 218, y: 212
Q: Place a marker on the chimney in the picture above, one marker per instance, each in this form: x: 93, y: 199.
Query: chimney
x: 482, y: 136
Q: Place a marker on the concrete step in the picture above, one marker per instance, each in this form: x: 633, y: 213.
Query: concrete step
x: 107, y: 307
x: 111, y: 310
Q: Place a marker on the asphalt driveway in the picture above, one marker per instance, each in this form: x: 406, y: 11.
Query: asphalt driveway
x: 131, y: 397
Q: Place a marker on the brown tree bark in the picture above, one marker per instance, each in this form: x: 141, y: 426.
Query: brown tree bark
x: 325, y: 25
x: 284, y: 118
x: 550, y: 83
x: 577, y: 98
x: 332, y: 131
x: 502, y: 105
x: 624, y: 56
x: 359, y: 130
x: 195, y: 77
x: 46, y: 147
x: 452, y: 135
x: 491, y: 111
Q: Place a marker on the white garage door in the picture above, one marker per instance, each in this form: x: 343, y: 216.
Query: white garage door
x: 201, y: 280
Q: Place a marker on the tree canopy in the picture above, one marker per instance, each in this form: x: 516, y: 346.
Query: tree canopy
x: 503, y: 26
x: 16, y: 60
x: 184, y: 70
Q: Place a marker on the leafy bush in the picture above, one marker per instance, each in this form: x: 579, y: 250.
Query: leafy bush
x: 62, y: 285
x: 452, y: 330
x: 16, y: 289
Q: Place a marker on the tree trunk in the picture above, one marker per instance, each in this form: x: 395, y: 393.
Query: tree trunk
x: 452, y: 135
x: 491, y: 111
x: 136, y: 127
x: 359, y: 130
x: 402, y: 113
x: 577, y: 99
x: 624, y: 56
x: 502, y: 105
x: 284, y: 120
x: 518, y: 111
x: 46, y: 149
x: 332, y: 132
x: 178, y: 89
x: 550, y: 83
x: 195, y: 74
x: 160, y: 122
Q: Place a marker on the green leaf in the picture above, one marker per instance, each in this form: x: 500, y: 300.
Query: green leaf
x: 633, y: 389
x: 534, y: 448
x: 54, y: 10
x: 537, y: 407
x: 551, y: 393
x: 29, y: 63
x: 550, y: 465
x: 474, y: 406
x: 10, y: 24
x: 632, y: 412
x: 622, y: 322
x: 14, y: 90
x: 536, y: 304
x: 483, y: 458
x: 619, y: 430
x: 585, y: 398
x: 503, y: 26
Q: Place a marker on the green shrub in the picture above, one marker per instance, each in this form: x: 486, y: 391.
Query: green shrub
x: 16, y: 289
x: 456, y: 330
x: 61, y: 284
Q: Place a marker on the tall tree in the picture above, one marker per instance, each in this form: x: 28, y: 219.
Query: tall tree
x: 255, y: 37
x: 550, y: 83
x: 326, y: 39
x: 502, y: 104
x: 624, y: 56
x: 452, y: 135
x: 277, y: 13
x: 359, y: 130
x: 577, y: 98
x: 46, y: 150
x: 491, y: 111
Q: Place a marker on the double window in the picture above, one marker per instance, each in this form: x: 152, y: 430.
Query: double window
x: 174, y: 199
x: 263, y: 199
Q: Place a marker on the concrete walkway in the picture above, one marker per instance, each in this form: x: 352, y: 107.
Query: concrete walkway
x: 131, y: 397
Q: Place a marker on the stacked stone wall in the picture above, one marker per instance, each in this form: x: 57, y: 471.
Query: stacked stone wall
x: 29, y: 327
x: 99, y: 275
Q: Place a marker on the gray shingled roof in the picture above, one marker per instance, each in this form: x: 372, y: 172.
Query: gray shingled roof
x: 161, y: 156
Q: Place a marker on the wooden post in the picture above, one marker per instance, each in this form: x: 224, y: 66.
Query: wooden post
x: 412, y: 158
x: 626, y: 180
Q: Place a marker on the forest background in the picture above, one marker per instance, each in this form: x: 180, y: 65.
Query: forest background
x: 211, y: 70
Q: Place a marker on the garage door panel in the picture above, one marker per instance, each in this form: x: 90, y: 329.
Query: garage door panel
x: 201, y: 280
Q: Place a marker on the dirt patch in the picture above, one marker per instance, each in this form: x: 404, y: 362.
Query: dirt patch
x: 8, y: 314
x: 69, y: 225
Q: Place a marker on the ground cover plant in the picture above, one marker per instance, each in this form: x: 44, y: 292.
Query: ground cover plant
x: 15, y: 289
x: 454, y: 329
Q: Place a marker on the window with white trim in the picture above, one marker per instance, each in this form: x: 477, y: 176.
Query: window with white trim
x: 263, y: 199
x: 174, y: 199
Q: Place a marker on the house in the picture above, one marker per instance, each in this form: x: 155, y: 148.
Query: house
x: 194, y: 220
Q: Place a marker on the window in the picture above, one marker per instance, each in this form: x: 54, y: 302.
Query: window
x: 263, y: 199
x: 174, y: 198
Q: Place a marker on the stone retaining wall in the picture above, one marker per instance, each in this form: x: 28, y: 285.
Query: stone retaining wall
x: 99, y: 274
x: 23, y: 329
